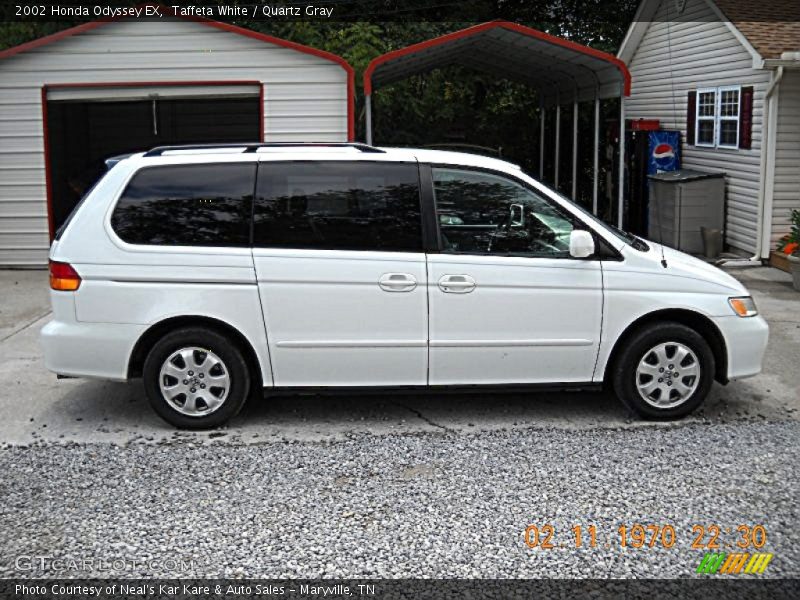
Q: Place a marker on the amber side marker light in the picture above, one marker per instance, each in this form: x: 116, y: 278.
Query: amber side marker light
x: 63, y: 277
x: 744, y: 306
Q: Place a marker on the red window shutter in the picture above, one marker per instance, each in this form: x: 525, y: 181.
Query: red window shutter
x: 746, y: 118
x: 691, y: 116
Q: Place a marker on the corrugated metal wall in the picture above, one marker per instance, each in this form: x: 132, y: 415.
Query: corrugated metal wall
x: 305, y: 96
x: 786, y: 194
x: 705, y: 53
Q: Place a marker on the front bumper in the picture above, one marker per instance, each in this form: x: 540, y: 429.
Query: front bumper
x: 746, y: 342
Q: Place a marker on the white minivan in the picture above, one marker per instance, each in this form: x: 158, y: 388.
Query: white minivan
x: 214, y: 272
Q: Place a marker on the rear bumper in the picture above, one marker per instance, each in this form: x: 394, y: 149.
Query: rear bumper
x: 745, y: 342
x: 100, y: 350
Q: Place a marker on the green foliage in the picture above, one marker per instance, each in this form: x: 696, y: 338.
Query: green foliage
x: 790, y: 243
x: 14, y: 33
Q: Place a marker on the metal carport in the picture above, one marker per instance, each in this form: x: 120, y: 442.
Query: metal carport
x: 561, y: 71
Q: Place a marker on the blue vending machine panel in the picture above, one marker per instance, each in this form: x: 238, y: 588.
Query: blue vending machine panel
x: 664, y: 152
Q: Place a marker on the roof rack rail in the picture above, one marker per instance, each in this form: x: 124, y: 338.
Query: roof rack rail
x: 254, y: 147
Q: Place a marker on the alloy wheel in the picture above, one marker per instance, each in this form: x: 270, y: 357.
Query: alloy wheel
x: 194, y: 381
x: 667, y: 375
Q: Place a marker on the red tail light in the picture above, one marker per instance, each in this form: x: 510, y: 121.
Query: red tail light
x: 63, y: 277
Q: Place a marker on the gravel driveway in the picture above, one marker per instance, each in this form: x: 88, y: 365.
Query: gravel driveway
x: 424, y: 505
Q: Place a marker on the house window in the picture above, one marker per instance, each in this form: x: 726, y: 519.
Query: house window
x: 728, y: 136
x: 706, y: 117
x: 718, y: 117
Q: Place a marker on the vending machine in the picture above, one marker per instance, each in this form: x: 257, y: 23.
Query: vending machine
x: 649, y: 150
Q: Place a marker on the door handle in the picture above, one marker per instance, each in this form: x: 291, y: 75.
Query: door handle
x: 456, y: 284
x: 397, y: 282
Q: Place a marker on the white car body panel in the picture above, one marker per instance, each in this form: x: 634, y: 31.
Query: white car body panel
x: 641, y: 285
x: 528, y: 320
x: 331, y: 324
x: 130, y: 288
x: 98, y: 350
x: 321, y: 317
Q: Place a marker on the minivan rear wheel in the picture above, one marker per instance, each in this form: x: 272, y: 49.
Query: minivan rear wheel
x: 196, y: 378
x: 665, y: 371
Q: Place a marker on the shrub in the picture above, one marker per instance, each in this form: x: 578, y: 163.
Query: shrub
x: 790, y: 244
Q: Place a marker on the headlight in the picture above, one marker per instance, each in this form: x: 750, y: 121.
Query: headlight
x: 744, y: 306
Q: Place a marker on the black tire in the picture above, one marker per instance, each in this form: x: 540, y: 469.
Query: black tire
x: 624, y: 371
x: 233, y: 364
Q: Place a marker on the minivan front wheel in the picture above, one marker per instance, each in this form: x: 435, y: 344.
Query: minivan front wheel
x: 665, y: 371
x: 196, y: 378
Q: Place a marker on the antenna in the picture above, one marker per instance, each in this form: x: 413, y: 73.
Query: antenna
x: 660, y: 230
x: 679, y: 5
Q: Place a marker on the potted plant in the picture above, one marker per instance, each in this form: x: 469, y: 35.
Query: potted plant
x: 790, y: 246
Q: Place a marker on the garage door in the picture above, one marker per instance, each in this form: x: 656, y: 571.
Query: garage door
x: 83, y: 131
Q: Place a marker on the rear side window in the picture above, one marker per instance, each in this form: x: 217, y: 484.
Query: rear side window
x: 187, y: 205
x: 60, y: 231
x: 338, y: 206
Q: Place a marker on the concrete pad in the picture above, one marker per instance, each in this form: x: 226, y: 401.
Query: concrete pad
x: 36, y: 407
x: 24, y: 298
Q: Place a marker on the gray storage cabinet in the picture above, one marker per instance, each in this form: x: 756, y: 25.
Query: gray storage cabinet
x: 683, y: 201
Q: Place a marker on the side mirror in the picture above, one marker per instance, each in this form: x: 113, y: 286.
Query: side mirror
x: 581, y: 243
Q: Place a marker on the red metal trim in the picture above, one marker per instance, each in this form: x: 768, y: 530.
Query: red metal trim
x: 219, y: 25
x: 47, y: 178
x: 463, y: 33
x: 351, y: 105
x: 124, y: 84
x: 261, y: 112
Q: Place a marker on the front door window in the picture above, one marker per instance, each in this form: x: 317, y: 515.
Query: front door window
x: 482, y: 213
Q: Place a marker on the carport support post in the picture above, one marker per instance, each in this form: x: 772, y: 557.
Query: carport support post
x: 595, y: 163
x: 368, y: 109
x: 541, y: 141
x: 575, y: 150
x: 558, y: 141
x: 621, y: 191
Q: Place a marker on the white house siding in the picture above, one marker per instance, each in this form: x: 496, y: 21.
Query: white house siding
x: 305, y: 99
x: 705, y: 53
x: 786, y: 190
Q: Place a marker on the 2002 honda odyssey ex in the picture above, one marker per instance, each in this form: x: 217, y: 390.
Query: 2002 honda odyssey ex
x: 214, y: 272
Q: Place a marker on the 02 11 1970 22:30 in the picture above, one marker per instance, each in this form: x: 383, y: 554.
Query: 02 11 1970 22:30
x: 704, y: 537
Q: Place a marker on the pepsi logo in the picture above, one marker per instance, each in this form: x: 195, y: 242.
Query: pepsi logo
x: 663, y: 151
